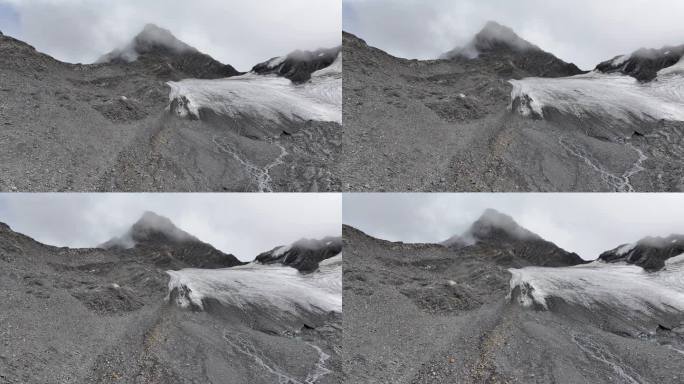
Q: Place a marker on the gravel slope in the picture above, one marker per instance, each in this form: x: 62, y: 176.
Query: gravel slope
x: 108, y: 127
x: 448, y: 125
x: 104, y: 316
x: 421, y: 313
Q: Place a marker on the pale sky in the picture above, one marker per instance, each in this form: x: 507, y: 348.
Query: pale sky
x: 243, y: 224
x: 584, y: 223
x: 585, y: 32
x: 237, y: 32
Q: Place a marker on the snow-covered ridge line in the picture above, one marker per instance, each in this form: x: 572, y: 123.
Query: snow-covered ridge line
x: 269, y: 287
x: 619, y: 286
x: 612, y: 96
x: 262, y: 97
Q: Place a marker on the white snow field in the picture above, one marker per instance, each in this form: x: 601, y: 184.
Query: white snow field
x: 616, y: 285
x: 268, y: 287
x: 607, y: 96
x: 264, y: 96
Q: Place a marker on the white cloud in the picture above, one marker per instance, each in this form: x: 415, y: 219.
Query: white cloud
x: 584, y: 223
x: 237, y: 32
x: 585, y: 32
x: 244, y: 224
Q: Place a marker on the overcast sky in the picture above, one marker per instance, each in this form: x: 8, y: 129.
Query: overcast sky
x: 242, y: 224
x: 237, y: 32
x: 584, y: 223
x: 585, y: 32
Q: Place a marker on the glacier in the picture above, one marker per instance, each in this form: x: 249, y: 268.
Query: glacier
x: 615, y: 97
x: 268, y: 287
x: 266, y: 97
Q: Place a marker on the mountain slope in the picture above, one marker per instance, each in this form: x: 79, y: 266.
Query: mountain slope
x: 156, y: 237
x: 121, y: 118
x: 510, y: 244
x: 113, y: 316
x: 157, y: 51
x: 417, y: 313
x: 500, y: 44
x: 511, y: 118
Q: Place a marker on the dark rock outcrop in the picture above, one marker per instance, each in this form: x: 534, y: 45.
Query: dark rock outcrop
x: 298, y: 65
x: 158, y: 51
x: 643, y: 64
x: 304, y: 255
x: 511, y: 244
x: 156, y: 238
x: 649, y: 253
x: 501, y: 44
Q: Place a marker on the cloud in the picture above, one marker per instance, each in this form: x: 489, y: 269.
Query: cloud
x: 585, y: 32
x: 242, y: 224
x: 584, y: 223
x: 237, y: 32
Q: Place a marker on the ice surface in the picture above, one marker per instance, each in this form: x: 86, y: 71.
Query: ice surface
x: 269, y: 287
x: 614, y: 285
x: 608, y: 96
x: 264, y: 97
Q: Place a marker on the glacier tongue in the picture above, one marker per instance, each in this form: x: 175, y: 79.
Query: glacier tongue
x: 608, y: 96
x: 622, y: 287
x: 269, y: 287
x: 265, y: 97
